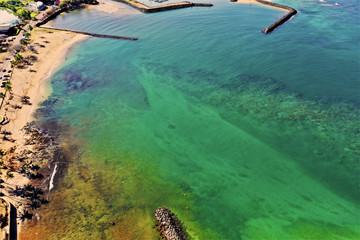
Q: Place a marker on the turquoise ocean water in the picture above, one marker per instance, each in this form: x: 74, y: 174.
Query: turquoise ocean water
x: 242, y: 135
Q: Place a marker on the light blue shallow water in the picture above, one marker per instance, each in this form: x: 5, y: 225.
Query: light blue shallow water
x: 243, y: 135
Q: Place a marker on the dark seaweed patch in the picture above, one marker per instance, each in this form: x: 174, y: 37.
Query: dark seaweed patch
x: 74, y: 81
x: 170, y: 126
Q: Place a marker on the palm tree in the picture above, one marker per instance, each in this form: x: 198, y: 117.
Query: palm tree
x: 10, y: 175
x: 8, y: 86
x: 19, y: 57
x: 24, y: 42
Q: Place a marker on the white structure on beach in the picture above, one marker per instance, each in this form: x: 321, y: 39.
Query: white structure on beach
x: 4, y: 28
x: 7, y: 20
x: 35, y: 6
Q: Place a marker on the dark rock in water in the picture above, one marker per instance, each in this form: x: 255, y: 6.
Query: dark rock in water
x: 169, y: 226
x: 254, y: 83
x: 171, y: 126
x: 74, y: 81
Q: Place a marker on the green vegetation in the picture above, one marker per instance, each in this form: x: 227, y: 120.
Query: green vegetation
x: 26, y: 34
x: 23, y: 13
x: 67, y: 3
x: 24, y: 42
x: 18, y: 57
x: 33, y: 15
x: 10, y: 175
x: 64, y: 4
x: 17, y: 7
x: 8, y: 86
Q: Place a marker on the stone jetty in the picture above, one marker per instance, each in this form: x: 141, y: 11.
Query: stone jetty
x: 54, y: 14
x: 146, y: 9
x: 169, y: 226
x: 91, y: 34
x: 51, y: 16
x: 292, y: 12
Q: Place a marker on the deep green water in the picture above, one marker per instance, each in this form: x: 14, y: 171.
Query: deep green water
x: 243, y: 135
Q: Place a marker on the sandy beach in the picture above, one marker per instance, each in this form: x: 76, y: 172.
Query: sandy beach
x: 247, y: 1
x: 48, y: 52
x: 255, y: 2
x: 49, y: 48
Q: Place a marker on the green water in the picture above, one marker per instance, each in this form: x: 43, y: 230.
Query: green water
x: 209, y: 122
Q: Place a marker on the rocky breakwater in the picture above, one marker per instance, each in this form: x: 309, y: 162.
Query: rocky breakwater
x: 176, y: 6
x: 169, y: 226
x: 146, y: 9
x: 292, y: 12
x: 92, y: 34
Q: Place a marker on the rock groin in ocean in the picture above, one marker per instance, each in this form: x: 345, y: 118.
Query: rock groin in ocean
x: 146, y: 9
x: 169, y: 226
x: 292, y: 12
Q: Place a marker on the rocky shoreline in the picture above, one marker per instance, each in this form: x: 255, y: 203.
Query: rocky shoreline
x: 32, y: 162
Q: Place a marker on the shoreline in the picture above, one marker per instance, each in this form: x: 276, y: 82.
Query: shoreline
x: 256, y: 2
x: 33, y: 81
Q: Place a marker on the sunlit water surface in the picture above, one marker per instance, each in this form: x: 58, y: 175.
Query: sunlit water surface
x: 242, y: 135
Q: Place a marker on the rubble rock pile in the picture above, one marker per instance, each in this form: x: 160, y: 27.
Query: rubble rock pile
x: 169, y: 226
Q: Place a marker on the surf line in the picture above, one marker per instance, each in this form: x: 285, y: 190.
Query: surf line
x: 51, y: 184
